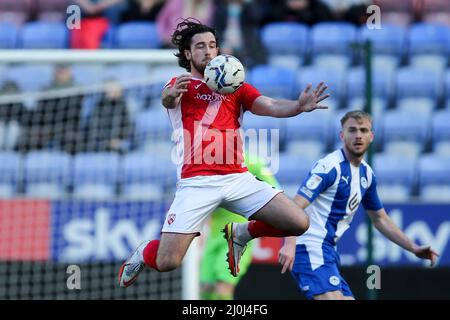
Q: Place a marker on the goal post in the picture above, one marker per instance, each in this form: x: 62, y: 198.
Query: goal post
x: 86, y: 174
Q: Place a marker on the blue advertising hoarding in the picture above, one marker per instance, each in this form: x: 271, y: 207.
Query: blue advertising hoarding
x: 425, y: 224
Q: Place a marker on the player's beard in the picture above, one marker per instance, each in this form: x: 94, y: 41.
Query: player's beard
x: 200, y: 67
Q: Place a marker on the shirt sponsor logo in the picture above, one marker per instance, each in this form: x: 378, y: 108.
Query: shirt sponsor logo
x: 313, y: 182
x: 211, y: 97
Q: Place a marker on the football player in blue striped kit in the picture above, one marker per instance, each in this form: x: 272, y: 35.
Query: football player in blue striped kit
x: 331, y: 195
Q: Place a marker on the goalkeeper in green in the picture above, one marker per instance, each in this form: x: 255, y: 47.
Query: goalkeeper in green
x: 215, y: 279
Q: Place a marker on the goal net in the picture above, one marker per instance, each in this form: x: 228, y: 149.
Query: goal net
x: 86, y: 173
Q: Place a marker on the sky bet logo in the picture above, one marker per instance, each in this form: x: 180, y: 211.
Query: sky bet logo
x: 101, y: 237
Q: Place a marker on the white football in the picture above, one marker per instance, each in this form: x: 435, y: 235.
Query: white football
x: 224, y: 74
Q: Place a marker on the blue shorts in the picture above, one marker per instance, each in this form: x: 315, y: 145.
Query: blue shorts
x: 324, y: 279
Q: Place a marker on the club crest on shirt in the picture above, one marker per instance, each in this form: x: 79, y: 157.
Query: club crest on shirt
x: 171, y: 218
x: 334, y: 280
x: 313, y: 181
x: 364, y: 182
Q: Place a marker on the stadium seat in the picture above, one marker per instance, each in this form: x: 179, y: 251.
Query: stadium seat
x: 389, y: 40
x: 292, y: 170
x: 274, y: 81
x: 314, y: 75
x: 425, y: 38
x: 395, y: 171
x: 88, y: 73
x: 44, y: 35
x: 405, y: 126
x: 137, y: 35
x: 334, y: 63
x: 434, y: 170
x: 309, y: 126
x: 433, y: 62
x: 285, y: 41
x: 152, y: 125
x: 46, y: 174
x: 8, y: 36
x: 333, y: 38
x: 10, y: 173
x: 440, y: 126
x: 419, y: 106
x: 265, y: 129
x: 382, y: 83
x: 95, y: 175
x: 144, y: 175
x: 418, y: 82
x: 379, y: 105
x: 306, y: 148
x: 31, y: 77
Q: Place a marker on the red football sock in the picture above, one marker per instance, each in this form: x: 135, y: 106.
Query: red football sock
x: 149, y: 254
x: 259, y: 229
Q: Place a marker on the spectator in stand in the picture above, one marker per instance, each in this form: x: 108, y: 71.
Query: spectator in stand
x: 13, y: 114
x: 237, y: 23
x: 55, y: 121
x: 353, y: 11
x: 142, y: 10
x: 94, y: 23
x: 174, y: 10
x: 309, y: 12
x: 109, y: 125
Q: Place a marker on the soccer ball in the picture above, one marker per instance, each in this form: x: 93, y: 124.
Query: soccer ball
x: 224, y: 74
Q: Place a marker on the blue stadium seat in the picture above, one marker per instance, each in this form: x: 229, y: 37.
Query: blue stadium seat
x: 417, y: 105
x: 335, y: 81
x: 31, y: 77
x: 389, y: 40
x: 264, y: 129
x: 309, y: 126
x: 152, y: 125
x: 395, y: 171
x: 44, y: 35
x: 274, y: 81
x: 47, y: 174
x: 88, y: 74
x: 440, y: 128
x: 137, y: 35
x: 285, y: 40
x: 293, y: 169
x: 434, y: 170
x: 427, y: 38
x: 95, y: 175
x: 10, y: 173
x: 8, y: 36
x: 418, y: 82
x: 432, y: 62
x: 333, y: 38
x: 447, y: 89
x: 382, y: 83
x: 405, y: 126
x: 144, y: 170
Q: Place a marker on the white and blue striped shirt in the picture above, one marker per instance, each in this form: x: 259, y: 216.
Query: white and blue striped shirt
x: 335, y: 189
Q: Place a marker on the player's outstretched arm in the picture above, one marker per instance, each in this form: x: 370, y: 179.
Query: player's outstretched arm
x: 280, y: 108
x: 172, y: 94
x: 387, y: 227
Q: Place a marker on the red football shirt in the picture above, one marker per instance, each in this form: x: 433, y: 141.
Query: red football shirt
x: 207, y: 129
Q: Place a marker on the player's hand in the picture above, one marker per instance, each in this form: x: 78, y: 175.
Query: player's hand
x: 286, y: 257
x: 309, y: 100
x: 425, y: 252
x: 180, y: 85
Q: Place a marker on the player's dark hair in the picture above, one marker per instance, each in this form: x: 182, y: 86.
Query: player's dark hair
x: 357, y: 115
x: 182, y: 37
